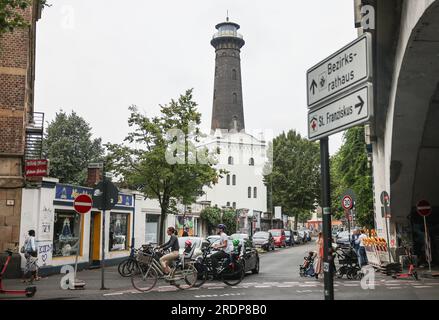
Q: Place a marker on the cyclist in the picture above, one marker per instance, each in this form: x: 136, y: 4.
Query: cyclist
x: 224, y: 248
x: 175, y: 248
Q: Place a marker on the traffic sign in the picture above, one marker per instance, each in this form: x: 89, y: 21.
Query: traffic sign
x: 385, y: 198
x: 347, y: 203
x: 348, y: 67
x: 111, y: 198
x: 423, y: 208
x: 83, y: 203
x: 345, y: 112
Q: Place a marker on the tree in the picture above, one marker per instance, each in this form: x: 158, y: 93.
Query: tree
x: 293, y: 179
x: 69, y: 146
x: 11, y: 14
x: 160, y: 158
x: 350, y: 170
x: 214, y: 216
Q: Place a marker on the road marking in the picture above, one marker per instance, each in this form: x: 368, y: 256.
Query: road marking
x: 303, y: 291
x: 422, y: 287
x: 262, y: 286
x: 284, y: 286
x: 351, y: 284
x: 114, y: 294
x: 395, y: 288
x: 307, y: 285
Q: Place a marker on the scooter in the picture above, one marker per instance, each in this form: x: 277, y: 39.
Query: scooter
x: 28, y: 292
x: 411, y: 272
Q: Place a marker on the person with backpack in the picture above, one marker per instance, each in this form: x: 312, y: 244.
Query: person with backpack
x: 31, y: 254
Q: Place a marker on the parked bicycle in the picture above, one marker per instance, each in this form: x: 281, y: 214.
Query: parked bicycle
x: 148, y: 270
x: 126, y: 266
x: 231, y: 273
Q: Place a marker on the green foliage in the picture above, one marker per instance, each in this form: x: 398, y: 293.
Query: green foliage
x: 144, y: 163
x: 69, y: 146
x: 11, y: 14
x: 212, y: 216
x: 294, y: 174
x: 349, y: 170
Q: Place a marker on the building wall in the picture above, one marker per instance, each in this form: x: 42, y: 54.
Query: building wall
x: 17, y: 56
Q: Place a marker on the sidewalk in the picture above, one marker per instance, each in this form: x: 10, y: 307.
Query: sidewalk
x: 50, y: 287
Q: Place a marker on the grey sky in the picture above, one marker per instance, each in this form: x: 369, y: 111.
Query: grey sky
x: 97, y: 57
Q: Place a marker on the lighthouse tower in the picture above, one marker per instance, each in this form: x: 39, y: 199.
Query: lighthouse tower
x: 228, y: 111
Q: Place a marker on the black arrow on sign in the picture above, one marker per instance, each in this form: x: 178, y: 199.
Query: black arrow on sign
x: 359, y: 105
x: 313, y: 86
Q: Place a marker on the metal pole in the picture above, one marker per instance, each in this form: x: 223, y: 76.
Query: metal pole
x: 79, y: 245
x: 387, y: 233
x: 134, y: 219
x: 326, y: 205
x: 427, y: 246
x: 104, y: 203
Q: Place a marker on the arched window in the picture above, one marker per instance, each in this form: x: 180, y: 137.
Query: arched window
x: 228, y: 179
x: 255, y: 192
x: 230, y: 161
x: 249, y: 192
x: 228, y: 204
x: 234, y: 180
x: 234, y: 205
x: 251, y: 162
x: 235, y: 98
x: 234, y: 76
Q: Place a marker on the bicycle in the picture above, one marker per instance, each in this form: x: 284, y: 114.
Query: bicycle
x: 231, y: 274
x: 126, y: 266
x: 148, y: 270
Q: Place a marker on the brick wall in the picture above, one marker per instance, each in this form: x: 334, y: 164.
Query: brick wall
x: 17, y: 56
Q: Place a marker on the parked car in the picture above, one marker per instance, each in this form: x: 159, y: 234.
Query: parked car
x: 249, y: 254
x: 289, y: 238
x: 279, y: 237
x: 343, y: 238
x: 302, y: 236
x: 264, y: 240
x: 297, y: 239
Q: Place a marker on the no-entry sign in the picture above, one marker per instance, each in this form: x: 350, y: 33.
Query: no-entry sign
x: 83, y: 203
x: 424, y: 208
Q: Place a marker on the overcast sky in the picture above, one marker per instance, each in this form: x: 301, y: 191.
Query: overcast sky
x: 97, y: 57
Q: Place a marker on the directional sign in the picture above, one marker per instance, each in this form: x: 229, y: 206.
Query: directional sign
x: 83, y: 203
x: 348, y: 67
x: 348, y: 111
x: 347, y: 203
x: 423, y: 208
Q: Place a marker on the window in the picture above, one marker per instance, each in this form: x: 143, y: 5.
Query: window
x: 234, y: 180
x: 255, y: 192
x: 234, y: 205
x: 251, y: 162
x: 235, y: 98
x: 228, y: 179
x: 118, y: 239
x: 234, y: 77
x: 66, y: 233
x: 152, y: 228
x: 230, y: 161
x: 214, y: 94
x: 228, y: 204
x: 249, y: 192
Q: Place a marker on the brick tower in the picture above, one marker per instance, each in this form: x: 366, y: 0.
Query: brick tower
x: 17, y: 121
x: 228, y: 111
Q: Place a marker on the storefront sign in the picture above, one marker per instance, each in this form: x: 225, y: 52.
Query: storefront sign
x: 36, y: 168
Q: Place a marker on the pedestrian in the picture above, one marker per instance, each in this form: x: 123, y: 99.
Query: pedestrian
x: 30, y: 253
x: 185, y: 232
x: 361, y: 249
x: 318, y: 268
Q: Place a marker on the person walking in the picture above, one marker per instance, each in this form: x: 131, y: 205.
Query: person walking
x: 361, y: 249
x: 318, y: 268
x: 31, y: 255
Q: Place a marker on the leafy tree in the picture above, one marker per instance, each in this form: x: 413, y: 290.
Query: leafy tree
x: 214, y: 216
x: 11, y: 14
x: 160, y: 159
x: 293, y: 181
x: 69, y: 146
x: 349, y: 170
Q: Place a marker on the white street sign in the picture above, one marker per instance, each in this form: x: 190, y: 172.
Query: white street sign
x: 348, y: 111
x: 352, y: 65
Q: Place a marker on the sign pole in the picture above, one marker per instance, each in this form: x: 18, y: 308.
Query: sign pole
x: 427, y: 246
x: 104, y: 201
x: 387, y: 234
x: 80, y: 244
x: 326, y: 205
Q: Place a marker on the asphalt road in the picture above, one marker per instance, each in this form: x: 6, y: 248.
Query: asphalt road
x: 278, y: 280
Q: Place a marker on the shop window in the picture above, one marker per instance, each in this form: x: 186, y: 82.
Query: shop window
x: 251, y: 162
x: 228, y: 204
x: 118, y: 239
x: 230, y: 161
x: 66, y: 233
x: 234, y: 205
x: 152, y: 228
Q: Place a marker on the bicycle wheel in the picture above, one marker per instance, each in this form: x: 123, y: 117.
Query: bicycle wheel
x: 202, y: 275
x: 233, y: 276
x: 184, y: 279
x: 143, y: 278
x: 121, y: 266
x: 128, y: 267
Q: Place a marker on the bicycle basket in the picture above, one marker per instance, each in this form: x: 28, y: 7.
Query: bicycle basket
x: 144, y: 258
